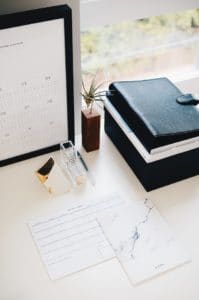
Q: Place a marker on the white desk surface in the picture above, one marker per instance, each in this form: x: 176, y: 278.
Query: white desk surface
x: 22, y: 198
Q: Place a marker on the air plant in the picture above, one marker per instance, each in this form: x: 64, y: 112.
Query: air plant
x: 92, y: 94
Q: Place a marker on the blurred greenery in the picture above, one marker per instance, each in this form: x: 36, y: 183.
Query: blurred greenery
x: 131, y: 43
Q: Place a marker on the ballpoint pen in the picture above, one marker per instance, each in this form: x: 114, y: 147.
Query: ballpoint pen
x: 89, y: 174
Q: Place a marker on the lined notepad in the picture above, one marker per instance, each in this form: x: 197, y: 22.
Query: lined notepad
x: 73, y: 239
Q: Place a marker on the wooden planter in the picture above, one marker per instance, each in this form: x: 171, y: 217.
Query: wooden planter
x: 90, y: 130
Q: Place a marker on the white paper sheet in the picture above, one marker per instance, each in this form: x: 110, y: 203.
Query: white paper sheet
x: 142, y: 241
x: 73, y: 239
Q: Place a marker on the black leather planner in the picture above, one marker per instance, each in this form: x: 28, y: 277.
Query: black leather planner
x: 151, y: 109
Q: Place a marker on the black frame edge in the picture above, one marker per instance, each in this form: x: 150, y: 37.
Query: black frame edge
x: 42, y: 15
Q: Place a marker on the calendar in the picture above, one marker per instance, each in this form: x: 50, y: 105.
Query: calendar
x: 36, y: 84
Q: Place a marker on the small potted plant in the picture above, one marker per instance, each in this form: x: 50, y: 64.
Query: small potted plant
x: 90, y: 116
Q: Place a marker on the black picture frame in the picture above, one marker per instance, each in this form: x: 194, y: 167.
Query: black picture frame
x: 35, y: 16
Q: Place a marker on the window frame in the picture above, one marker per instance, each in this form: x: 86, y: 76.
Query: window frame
x: 103, y: 12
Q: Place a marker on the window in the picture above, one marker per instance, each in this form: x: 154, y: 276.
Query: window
x: 164, y: 45
x: 103, y: 12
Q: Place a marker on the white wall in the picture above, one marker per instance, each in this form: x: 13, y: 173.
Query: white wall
x: 189, y: 86
x: 9, y: 6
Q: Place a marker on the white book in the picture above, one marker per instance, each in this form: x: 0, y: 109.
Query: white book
x: 156, y: 153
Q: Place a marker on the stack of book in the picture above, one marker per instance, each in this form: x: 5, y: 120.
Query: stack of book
x: 157, y: 135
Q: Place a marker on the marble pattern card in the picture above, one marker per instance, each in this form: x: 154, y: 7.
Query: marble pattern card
x: 142, y: 241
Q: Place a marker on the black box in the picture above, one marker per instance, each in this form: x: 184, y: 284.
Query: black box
x: 155, y: 174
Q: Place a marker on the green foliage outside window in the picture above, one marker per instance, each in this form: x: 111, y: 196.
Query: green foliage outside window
x: 116, y: 46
